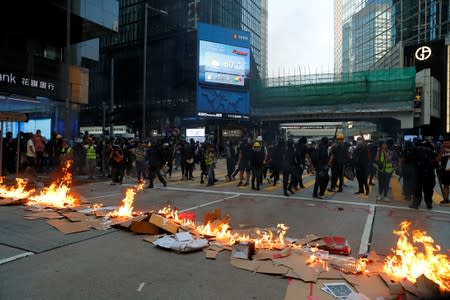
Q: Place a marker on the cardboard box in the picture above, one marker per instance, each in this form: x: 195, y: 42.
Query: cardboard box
x: 144, y: 227
x: 166, y: 224
x: 243, y: 250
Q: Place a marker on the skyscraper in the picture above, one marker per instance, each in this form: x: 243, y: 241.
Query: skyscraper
x: 171, y: 58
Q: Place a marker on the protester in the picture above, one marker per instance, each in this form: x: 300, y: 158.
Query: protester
x: 337, y: 161
x: 288, y: 165
x: 385, y: 170
x: 155, y: 164
x: 210, y: 162
x: 360, y: 158
x: 245, y: 150
x: 257, y: 157
x: 320, y: 160
x: 444, y: 157
x: 426, y: 163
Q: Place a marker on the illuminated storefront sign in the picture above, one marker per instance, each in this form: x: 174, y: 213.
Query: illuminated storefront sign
x: 26, y: 81
x: 423, y: 53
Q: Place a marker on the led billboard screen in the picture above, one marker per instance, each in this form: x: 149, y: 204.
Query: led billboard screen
x: 223, y: 73
x: 223, y: 64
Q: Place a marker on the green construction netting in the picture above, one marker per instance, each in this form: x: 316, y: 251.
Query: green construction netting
x: 335, y: 89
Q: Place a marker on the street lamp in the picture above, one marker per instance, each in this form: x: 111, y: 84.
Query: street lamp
x: 144, y: 83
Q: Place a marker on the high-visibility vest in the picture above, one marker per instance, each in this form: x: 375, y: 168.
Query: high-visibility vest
x: 91, y: 153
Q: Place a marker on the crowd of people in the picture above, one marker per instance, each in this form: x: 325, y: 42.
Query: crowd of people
x: 253, y: 161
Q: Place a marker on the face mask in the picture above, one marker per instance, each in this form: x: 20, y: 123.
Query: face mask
x: 359, y: 143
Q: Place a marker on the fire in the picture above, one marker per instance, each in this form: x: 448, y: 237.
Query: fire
x: 16, y: 192
x: 409, y: 262
x: 263, y: 238
x: 126, y: 210
x: 58, y: 193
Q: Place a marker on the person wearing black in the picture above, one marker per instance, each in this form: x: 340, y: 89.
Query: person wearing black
x: 408, y: 169
x: 9, y: 152
x: 319, y: 158
x: 276, y: 163
x: 361, y: 165
x: 154, y: 159
x: 189, y: 159
x: 300, y: 153
x: 245, y: 151
x: 288, y: 165
x: 426, y: 163
x: 337, y: 160
x: 257, y: 157
x: 202, y: 162
x: 230, y: 156
x: 167, y: 158
x: 117, y: 165
x: 372, y: 148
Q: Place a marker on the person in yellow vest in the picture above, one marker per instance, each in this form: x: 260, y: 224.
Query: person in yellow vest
x: 91, y: 157
x: 210, y: 161
x: 66, y: 151
x: 385, y: 170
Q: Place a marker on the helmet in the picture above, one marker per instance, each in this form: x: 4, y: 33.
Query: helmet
x: 340, y: 136
x: 256, y: 145
x: 259, y: 138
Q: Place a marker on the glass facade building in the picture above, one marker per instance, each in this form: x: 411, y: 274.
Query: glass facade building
x: 171, y: 59
x: 385, y: 34
x: 47, y: 64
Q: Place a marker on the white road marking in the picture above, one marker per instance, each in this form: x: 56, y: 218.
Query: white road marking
x: 364, y: 246
x: 141, y: 286
x: 210, y: 203
x: 104, y: 196
x: 306, y: 199
x: 15, y: 257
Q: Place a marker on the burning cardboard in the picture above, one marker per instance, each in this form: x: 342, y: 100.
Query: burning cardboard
x: 164, y: 223
x: 17, y: 192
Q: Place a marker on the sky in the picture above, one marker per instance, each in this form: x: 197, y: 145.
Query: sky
x: 301, y: 37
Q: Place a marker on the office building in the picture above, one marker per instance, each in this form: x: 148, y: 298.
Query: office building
x: 44, y: 67
x: 169, y: 102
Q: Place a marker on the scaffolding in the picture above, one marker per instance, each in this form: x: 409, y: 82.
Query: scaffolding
x: 376, y: 87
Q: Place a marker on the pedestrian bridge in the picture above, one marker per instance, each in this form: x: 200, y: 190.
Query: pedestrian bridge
x: 349, y: 96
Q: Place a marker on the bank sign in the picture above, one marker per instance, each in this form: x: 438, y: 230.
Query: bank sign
x: 17, y: 83
x: 223, y: 73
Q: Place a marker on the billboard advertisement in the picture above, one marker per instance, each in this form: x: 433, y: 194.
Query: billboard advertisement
x: 223, y: 64
x: 223, y: 73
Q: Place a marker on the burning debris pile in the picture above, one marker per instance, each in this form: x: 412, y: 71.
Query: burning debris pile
x: 320, y: 267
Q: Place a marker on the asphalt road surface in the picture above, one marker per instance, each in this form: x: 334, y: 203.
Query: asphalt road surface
x: 39, y: 262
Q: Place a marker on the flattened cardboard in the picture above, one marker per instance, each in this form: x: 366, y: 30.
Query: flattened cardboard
x: 298, y: 289
x: 118, y: 221
x: 297, y: 263
x: 75, y: 216
x: 97, y: 224
x: 68, y: 227
x: 210, y: 253
x: 330, y: 274
x: 12, y: 201
x: 166, y: 224
x: 248, y: 265
x: 427, y: 287
x: 267, y: 267
x: 44, y: 215
x: 410, y: 287
x: 395, y: 288
x: 370, y: 285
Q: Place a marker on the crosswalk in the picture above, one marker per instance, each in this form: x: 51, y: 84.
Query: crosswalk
x: 308, y: 181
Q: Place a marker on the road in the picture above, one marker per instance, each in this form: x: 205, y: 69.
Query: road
x: 39, y: 262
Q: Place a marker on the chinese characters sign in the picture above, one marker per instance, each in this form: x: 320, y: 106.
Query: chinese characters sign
x: 12, y: 82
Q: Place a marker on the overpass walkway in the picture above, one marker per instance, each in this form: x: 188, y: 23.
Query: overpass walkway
x: 348, y: 96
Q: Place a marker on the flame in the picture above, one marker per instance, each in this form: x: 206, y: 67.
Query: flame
x: 222, y: 233
x: 16, y: 192
x: 126, y: 210
x: 409, y: 262
x: 58, y: 193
